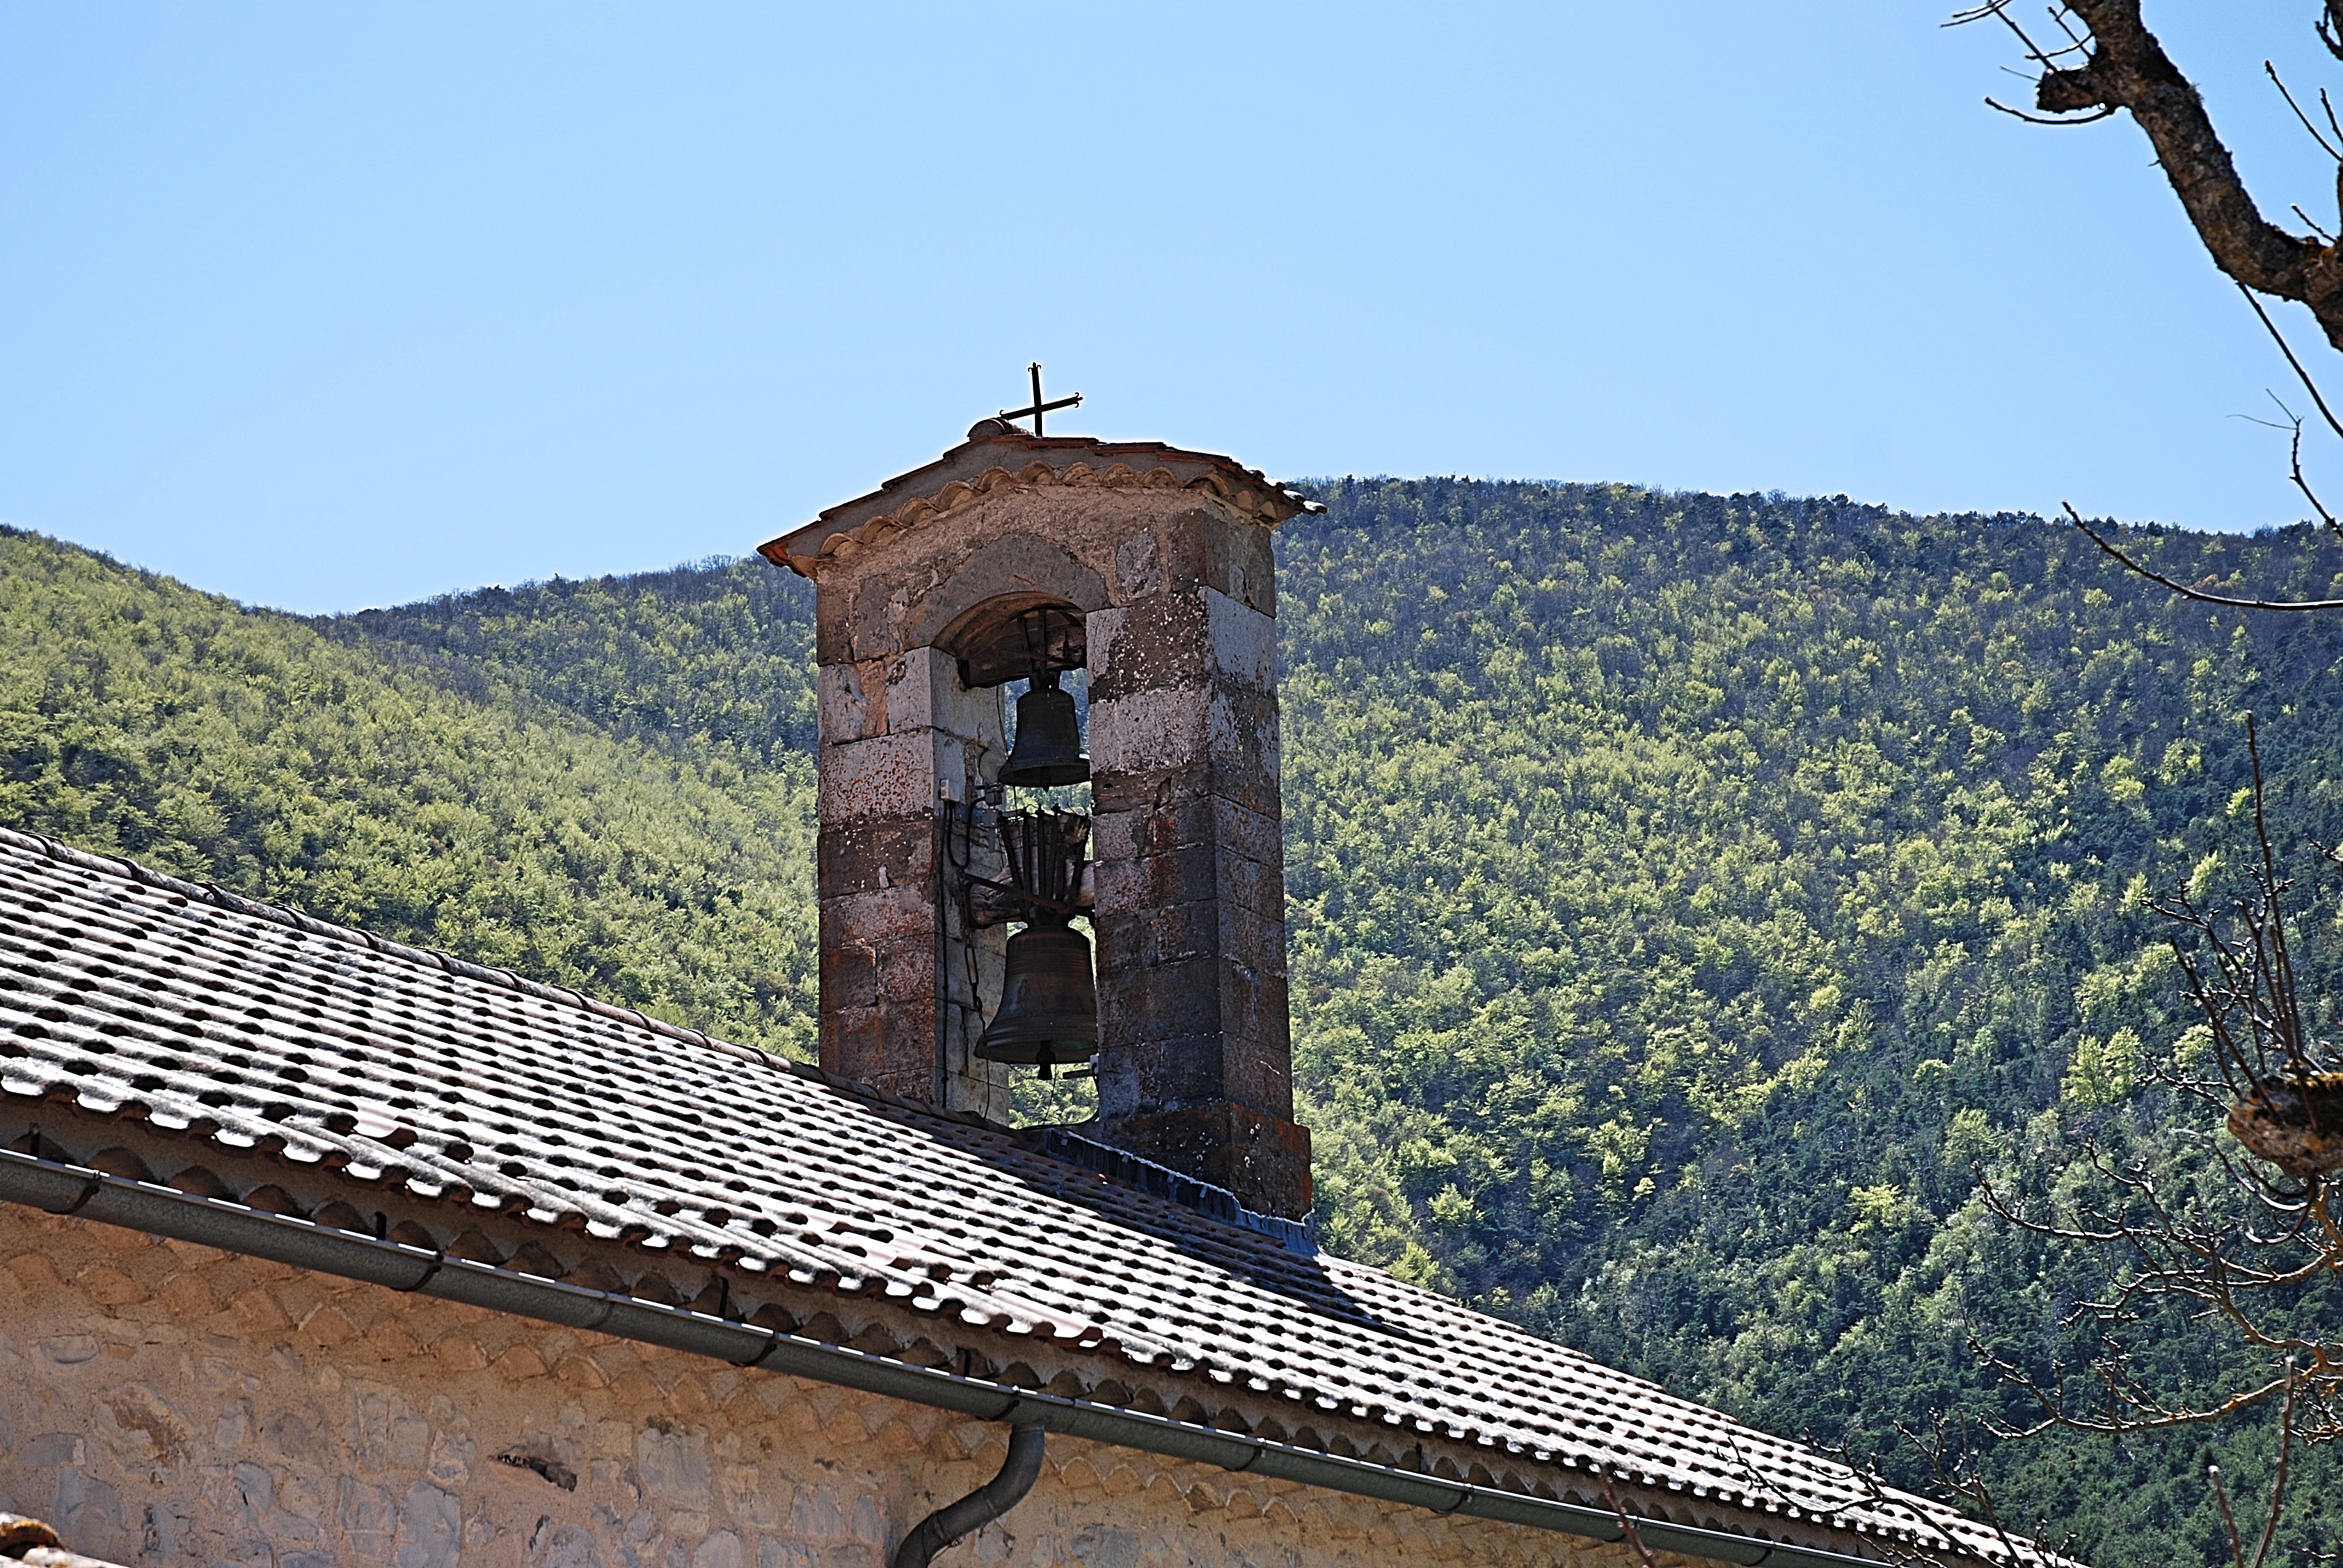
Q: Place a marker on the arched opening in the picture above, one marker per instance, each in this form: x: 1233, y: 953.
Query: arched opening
x: 1020, y: 848
x: 1015, y: 637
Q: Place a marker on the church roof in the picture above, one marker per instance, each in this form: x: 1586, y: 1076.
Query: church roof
x: 131, y: 997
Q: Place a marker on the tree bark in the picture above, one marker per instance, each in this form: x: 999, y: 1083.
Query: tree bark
x: 2128, y: 69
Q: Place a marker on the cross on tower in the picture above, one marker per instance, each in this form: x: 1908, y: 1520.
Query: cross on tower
x: 1040, y: 407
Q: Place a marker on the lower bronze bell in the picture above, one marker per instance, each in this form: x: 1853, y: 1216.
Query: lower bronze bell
x: 1048, y: 749
x: 1049, y: 1001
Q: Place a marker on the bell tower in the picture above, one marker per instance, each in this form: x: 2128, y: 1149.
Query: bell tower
x: 1017, y: 557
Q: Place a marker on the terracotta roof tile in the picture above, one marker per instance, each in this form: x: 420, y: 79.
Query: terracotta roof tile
x: 134, y: 996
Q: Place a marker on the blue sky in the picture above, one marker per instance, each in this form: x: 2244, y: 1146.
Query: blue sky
x: 325, y: 306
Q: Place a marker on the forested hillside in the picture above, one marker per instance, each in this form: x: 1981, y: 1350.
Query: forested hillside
x: 142, y: 717
x: 717, y: 658
x: 1689, y: 895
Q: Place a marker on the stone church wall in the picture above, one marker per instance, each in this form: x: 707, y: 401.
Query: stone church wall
x: 165, y: 1402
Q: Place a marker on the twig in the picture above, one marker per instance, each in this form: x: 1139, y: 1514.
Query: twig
x: 2077, y: 43
x: 2228, y: 1520
x: 2287, y: 349
x: 2182, y: 590
x: 2271, y: 71
x: 2094, y: 114
x: 2285, y: 1452
x: 2294, y: 463
x: 1627, y: 1525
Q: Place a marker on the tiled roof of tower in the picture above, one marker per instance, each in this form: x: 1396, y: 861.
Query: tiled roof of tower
x: 995, y: 455
x: 130, y: 996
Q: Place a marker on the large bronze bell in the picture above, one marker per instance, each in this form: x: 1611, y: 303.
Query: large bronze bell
x: 1048, y: 749
x: 1049, y: 1001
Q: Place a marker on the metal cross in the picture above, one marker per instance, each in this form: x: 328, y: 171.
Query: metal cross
x: 1040, y: 407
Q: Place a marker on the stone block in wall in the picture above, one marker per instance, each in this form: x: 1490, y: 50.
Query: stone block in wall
x: 1253, y: 886
x: 923, y: 692
x: 1186, y: 874
x: 1149, y: 731
x: 886, y: 775
x: 850, y: 701
x: 1156, y: 644
x: 879, y: 918
x: 1253, y: 1008
x: 1134, y: 943
x: 875, y: 855
x: 1167, y: 1001
x: 892, y: 1048
x: 1220, y: 550
x: 1241, y: 740
x: 909, y: 967
x: 1263, y: 1159
x: 849, y: 977
x: 1156, y: 749
x: 1240, y: 829
x: 1178, y: 1070
x: 1242, y: 642
x: 1251, y: 940
x: 1138, y: 568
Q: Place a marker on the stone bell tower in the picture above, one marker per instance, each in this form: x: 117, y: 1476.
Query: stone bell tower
x: 1156, y: 564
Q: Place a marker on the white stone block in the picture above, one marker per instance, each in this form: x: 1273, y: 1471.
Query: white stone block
x: 923, y: 692
x: 675, y: 1467
x: 1100, y: 628
x: 1244, y: 641
x: 430, y: 1528
x: 842, y: 704
x: 1149, y: 729
x: 887, y: 776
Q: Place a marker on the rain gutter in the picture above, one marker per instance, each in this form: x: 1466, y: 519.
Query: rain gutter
x: 63, y: 1188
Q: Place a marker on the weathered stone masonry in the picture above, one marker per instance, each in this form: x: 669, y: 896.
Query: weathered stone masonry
x: 163, y: 1402
x: 1165, y: 557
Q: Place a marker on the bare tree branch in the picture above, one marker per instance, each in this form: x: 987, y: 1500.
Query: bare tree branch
x: 2228, y: 1520
x: 2182, y: 590
x: 1628, y: 1523
x: 2046, y: 120
x: 2128, y: 69
x: 2271, y: 71
x: 2287, y: 349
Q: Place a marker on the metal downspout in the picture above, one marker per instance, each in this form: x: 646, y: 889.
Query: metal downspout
x: 159, y: 1210
x: 980, y: 1507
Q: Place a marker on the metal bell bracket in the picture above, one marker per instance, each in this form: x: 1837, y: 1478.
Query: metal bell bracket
x: 1042, y: 887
